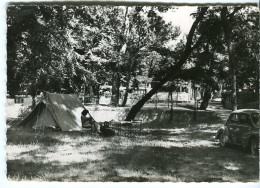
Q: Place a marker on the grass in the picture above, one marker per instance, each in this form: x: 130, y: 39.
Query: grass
x: 163, y: 152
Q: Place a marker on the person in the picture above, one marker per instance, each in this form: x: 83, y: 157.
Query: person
x: 87, y: 120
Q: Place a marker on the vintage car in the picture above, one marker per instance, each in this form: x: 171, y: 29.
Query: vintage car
x: 241, y: 128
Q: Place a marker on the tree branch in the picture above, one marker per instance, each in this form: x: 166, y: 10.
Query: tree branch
x: 172, y: 71
x: 193, y: 28
x: 199, y: 41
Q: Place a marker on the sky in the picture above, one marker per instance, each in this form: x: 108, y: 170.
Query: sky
x: 181, y: 17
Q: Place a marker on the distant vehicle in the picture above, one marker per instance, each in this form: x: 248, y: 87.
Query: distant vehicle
x: 216, y: 99
x: 241, y: 128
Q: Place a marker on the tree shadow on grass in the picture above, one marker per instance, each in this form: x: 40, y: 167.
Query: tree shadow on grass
x: 184, y: 164
x: 16, y: 137
x: 150, y: 156
x: 144, y: 164
x: 157, y: 132
x: 19, y: 170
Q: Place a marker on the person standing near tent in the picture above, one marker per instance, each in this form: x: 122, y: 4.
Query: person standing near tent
x: 87, y: 119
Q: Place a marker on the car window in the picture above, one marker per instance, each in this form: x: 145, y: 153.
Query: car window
x: 256, y: 119
x: 234, y: 118
x: 243, y: 119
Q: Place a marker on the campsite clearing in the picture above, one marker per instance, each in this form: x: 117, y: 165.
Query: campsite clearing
x: 160, y: 153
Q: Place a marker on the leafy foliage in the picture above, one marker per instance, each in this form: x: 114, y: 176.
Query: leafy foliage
x: 58, y: 48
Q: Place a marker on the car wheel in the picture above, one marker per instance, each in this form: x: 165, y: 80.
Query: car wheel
x: 223, y: 139
x: 254, y: 146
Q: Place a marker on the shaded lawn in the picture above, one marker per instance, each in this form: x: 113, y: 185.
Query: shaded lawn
x: 162, y: 152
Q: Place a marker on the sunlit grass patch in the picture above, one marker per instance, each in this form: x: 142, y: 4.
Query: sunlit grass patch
x: 22, y: 152
x: 199, y: 143
x: 149, y: 175
x: 163, y: 144
x: 231, y: 166
x: 71, y: 157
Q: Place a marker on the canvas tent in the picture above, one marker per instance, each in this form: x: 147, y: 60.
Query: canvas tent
x: 57, y: 111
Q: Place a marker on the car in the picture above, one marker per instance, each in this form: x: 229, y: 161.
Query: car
x: 218, y: 99
x: 241, y: 128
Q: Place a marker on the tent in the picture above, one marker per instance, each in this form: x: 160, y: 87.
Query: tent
x: 57, y: 111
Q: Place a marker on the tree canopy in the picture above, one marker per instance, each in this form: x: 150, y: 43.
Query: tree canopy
x: 58, y: 48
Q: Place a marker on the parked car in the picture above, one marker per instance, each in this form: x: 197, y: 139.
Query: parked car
x: 241, y: 128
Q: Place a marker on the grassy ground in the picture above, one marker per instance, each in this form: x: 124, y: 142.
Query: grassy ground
x: 163, y: 152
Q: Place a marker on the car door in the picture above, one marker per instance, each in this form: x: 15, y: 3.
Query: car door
x: 243, y: 126
x: 232, y: 125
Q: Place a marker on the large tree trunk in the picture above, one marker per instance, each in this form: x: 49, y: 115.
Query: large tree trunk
x: 98, y: 94
x: 136, y: 108
x: 172, y: 70
x: 126, y: 91
x: 128, y: 83
x: 233, y: 78
x: 227, y: 32
x: 115, y: 89
x: 206, y: 97
x: 234, y: 88
x: 169, y: 75
x: 116, y: 95
x: 33, y: 101
x: 171, y: 111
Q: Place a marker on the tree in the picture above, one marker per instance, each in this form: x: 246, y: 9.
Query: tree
x: 18, y: 22
x: 145, y: 29
x: 233, y: 25
x: 57, y: 49
x: 174, y: 68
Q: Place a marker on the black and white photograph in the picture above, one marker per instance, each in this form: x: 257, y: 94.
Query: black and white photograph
x: 132, y: 92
